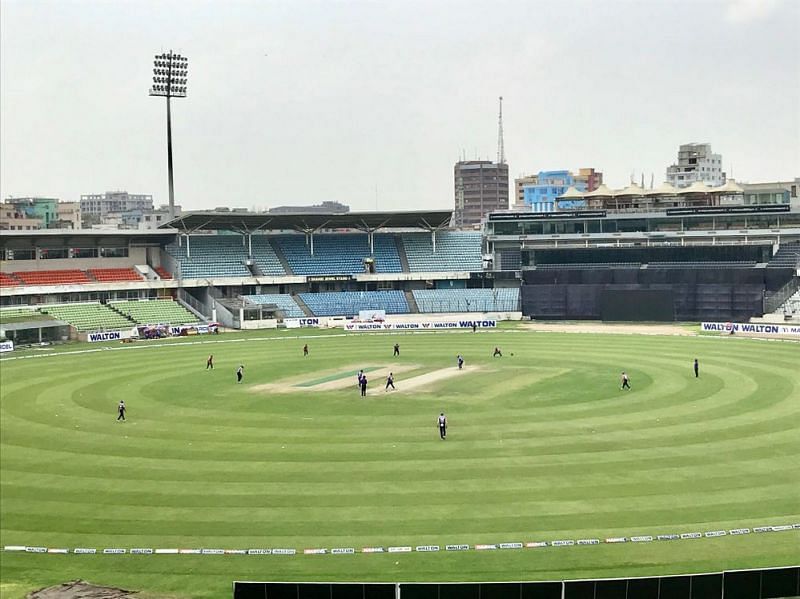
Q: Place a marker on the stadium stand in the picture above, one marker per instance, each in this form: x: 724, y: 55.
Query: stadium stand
x: 154, y: 311
x: 467, y: 300
x: 455, y: 251
x: 163, y: 272
x: 89, y: 317
x: 348, y: 303
x: 788, y: 255
x: 264, y: 256
x: 583, y: 265
x: 211, y: 256
x: 284, y: 301
x: 721, y: 264
x: 52, y: 277
x: 17, y: 314
x: 339, y: 254
x: 8, y: 280
x: 112, y: 275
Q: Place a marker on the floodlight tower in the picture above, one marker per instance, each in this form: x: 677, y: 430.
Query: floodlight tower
x: 169, y: 81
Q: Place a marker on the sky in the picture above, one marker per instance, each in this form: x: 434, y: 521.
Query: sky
x: 371, y: 103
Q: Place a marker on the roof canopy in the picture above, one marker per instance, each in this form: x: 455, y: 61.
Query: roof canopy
x: 730, y: 186
x: 601, y: 192
x: 571, y: 193
x: 696, y: 187
x: 665, y: 189
x: 630, y: 190
x: 250, y: 222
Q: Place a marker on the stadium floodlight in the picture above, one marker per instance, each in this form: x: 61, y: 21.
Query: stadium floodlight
x: 170, y: 71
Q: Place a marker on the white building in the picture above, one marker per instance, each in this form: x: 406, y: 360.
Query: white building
x: 696, y: 163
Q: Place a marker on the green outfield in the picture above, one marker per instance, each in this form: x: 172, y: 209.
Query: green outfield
x: 542, y: 445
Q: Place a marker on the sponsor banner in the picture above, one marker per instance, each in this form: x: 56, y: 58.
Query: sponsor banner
x: 484, y: 547
x: 762, y: 529
x: 259, y: 552
x: 668, y: 537
x: 716, y: 533
x: 691, y: 535
x: 781, y: 527
x: 328, y: 278
x: 58, y: 551
x: 236, y: 552
x: 142, y: 551
x: 296, y: 323
x: 419, y: 326
x: 372, y: 550
x: 403, y: 549
x: 617, y: 540
x: 166, y: 551
x: 740, y: 531
x: 113, y: 551
x: 535, y: 544
x: 189, y: 551
x: 456, y: 547
x: 14, y: 548
x: 747, y: 327
x: 213, y: 552
x: 36, y: 549
x: 562, y: 543
x: 108, y: 336
x: 315, y: 551
x: 343, y: 550
x: 588, y: 541
x: 84, y: 550
x: 510, y: 545
x: 427, y: 548
x: 644, y: 539
x: 6, y: 346
x: 284, y: 551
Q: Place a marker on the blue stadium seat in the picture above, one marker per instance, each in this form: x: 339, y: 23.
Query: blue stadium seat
x: 455, y: 251
x: 339, y: 253
x: 348, y: 303
x: 467, y: 300
x: 284, y: 301
x: 211, y: 256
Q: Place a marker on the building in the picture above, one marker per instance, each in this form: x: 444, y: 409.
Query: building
x: 43, y: 209
x: 778, y: 192
x: 538, y: 193
x: 519, y: 190
x: 326, y: 207
x: 696, y: 163
x: 26, y: 214
x: 68, y: 215
x: 481, y: 187
x: 94, y: 207
x: 155, y: 218
x: 12, y: 220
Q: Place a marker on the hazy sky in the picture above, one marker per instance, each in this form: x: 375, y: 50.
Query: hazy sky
x: 298, y: 102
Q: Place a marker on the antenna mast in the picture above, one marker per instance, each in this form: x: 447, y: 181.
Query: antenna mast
x: 501, y: 151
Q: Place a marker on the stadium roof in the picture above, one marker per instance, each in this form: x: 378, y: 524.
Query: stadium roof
x: 249, y: 222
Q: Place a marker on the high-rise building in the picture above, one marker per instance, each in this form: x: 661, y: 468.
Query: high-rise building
x: 696, y: 163
x: 538, y: 193
x: 481, y: 186
x: 96, y: 206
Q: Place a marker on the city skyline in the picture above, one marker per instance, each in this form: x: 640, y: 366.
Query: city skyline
x: 290, y: 106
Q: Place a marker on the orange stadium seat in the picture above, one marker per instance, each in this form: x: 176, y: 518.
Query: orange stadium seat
x: 52, y: 277
x: 8, y: 280
x: 110, y: 275
x: 162, y: 272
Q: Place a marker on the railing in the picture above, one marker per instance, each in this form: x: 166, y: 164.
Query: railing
x: 774, y: 300
x: 195, y: 305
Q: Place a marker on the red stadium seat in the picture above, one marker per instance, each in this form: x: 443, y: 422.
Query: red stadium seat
x: 112, y: 275
x: 162, y: 272
x: 52, y: 277
x: 8, y: 280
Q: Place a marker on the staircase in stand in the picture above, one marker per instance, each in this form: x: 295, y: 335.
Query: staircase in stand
x: 281, y: 257
x: 298, y: 300
x: 412, y: 303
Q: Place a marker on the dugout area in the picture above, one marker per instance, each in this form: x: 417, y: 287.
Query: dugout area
x: 771, y: 583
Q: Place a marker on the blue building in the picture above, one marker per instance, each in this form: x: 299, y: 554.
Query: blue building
x: 541, y: 196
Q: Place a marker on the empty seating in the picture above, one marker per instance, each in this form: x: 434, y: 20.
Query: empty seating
x: 89, y: 317
x: 283, y: 301
x: 157, y: 311
x: 585, y: 265
x: 211, y: 256
x: 455, y: 251
x: 163, y: 272
x: 8, y: 280
x: 52, y: 277
x: 467, y: 300
x: 787, y: 256
x: 703, y: 264
x: 348, y: 303
x: 18, y: 314
x: 112, y: 275
x: 339, y: 253
x: 265, y: 258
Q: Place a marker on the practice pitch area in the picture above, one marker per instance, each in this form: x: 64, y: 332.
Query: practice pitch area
x: 542, y: 446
